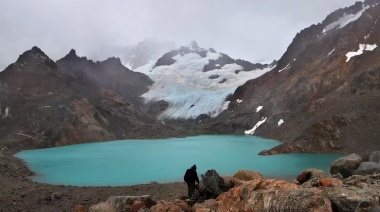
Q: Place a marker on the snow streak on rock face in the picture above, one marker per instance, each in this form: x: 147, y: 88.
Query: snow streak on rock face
x: 331, y: 51
x: 191, y: 92
x: 259, y: 108
x: 343, y: 21
x: 362, y: 48
x: 252, y: 131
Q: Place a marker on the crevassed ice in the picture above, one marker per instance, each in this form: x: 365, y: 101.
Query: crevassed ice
x: 189, y: 91
x: 343, y: 21
x: 362, y: 47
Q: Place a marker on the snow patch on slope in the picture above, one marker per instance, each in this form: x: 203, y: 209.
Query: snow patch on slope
x: 252, y: 131
x: 362, y: 47
x: 343, y: 21
x: 331, y: 51
x: 259, y: 108
x: 189, y: 91
x: 281, y: 121
x: 284, y: 68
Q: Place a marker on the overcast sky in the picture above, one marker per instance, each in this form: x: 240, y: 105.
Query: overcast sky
x: 249, y: 29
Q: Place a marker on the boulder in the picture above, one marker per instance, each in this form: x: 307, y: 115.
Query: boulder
x: 213, y: 182
x: 227, y: 183
x: 375, y: 157
x: 352, y: 199
x: 346, y: 165
x: 80, y: 208
x: 273, y: 195
x: 309, y: 174
x: 183, y: 205
x: 102, y: 207
x: 208, y: 205
x: 243, y: 176
x: 164, y: 206
x: 330, y: 182
x: 368, y: 168
x: 124, y: 203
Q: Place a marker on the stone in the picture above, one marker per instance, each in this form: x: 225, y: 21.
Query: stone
x: 101, y: 207
x: 208, y: 205
x: 164, y: 206
x: 212, y: 182
x: 330, y: 182
x: 339, y: 176
x: 375, y: 157
x: 227, y: 183
x: 55, y: 196
x: 126, y: 203
x: 183, y: 205
x: 309, y: 174
x: 303, y: 177
x: 137, y: 205
x: 243, y: 176
x: 273, y: 195
x: 345, y: 165
x: 368, y: 168
x: 80, y: 208
x: 352, y: 199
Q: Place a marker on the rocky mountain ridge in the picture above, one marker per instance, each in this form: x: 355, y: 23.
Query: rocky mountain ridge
x: 75, y: 100
x: 323, y: 95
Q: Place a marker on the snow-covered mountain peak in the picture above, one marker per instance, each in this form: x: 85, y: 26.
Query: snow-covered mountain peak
x: 144, y: 52
x: 193, y: 45
x: 197, y: 81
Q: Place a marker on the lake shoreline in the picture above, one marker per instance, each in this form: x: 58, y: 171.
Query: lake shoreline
x: 132, y: 162
x: 19, y: 193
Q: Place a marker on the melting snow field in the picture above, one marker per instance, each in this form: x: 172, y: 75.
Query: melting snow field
x: 189, y: 91
x: 362, y: 48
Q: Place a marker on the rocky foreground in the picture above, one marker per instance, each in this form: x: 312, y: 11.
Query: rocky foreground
x: 353, y: 185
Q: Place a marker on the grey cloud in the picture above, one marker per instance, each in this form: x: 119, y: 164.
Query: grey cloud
x: 248, y: 29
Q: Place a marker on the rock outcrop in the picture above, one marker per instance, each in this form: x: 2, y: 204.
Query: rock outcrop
x: 365, y: 164
x: 318, y: 192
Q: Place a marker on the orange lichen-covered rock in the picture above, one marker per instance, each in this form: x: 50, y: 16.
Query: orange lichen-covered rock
x: 330, y: 182
x: 164, y: 206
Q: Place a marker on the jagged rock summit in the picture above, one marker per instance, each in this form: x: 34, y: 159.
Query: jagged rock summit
x: 76, y: 100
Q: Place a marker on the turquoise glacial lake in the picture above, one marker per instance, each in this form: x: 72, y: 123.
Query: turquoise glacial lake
x: 128, y: 162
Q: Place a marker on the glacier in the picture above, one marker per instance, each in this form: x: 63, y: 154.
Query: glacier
x: 189, y: 90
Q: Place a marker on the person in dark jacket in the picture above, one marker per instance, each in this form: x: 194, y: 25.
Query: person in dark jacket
x: 190, y: 178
